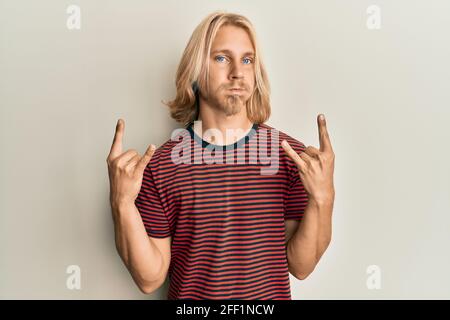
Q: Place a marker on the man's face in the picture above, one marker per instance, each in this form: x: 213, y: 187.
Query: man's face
x: 231, y: 66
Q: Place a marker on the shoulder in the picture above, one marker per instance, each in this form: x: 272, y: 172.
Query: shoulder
x: 163, y: 153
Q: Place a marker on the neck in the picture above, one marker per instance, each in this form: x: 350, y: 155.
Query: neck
x: 230, y: 128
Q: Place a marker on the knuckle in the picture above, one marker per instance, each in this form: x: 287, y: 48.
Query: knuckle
x: 128, y: 169
x: 118, y: 163
x: 131, y: 152
x: 113, y: 163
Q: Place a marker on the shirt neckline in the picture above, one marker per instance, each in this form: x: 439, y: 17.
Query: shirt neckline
x: 235, y: 145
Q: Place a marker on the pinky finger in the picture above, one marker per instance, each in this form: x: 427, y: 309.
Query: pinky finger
x: 145, y: 159
x: 293, y: 155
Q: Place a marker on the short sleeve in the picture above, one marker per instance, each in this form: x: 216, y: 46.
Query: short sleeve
x: 149, y: 206
x: 297, y: 197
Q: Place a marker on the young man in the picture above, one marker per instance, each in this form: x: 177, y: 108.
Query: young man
x: 218, y: 212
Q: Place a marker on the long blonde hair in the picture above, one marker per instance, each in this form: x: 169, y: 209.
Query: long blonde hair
x: 193, y: 71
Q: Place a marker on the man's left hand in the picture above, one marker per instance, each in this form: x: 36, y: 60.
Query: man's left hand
x: 316, y: 166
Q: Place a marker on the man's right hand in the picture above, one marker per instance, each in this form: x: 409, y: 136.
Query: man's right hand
x: 126, y: 169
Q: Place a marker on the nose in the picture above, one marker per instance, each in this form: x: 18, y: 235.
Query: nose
x: 236, y: 71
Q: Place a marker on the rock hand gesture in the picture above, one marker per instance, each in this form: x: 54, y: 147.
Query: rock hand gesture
x: 126, y: 169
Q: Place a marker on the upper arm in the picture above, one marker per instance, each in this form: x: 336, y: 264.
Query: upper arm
x: 296, y: 197
x: 164, y: 247
x: 290, y: 227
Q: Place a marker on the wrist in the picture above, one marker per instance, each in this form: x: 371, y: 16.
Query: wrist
x: 120, y: 204
x: 321, y: 201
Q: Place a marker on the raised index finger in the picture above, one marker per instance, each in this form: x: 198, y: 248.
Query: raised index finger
x: 324, y: 138
x: 116, y: 148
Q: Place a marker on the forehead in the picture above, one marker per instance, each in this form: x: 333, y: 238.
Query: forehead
x: 232, y: 38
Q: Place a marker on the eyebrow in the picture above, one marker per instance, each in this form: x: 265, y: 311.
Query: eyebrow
x: 248, y: 53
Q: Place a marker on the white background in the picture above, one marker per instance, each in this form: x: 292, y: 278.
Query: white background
x: 385, y: 94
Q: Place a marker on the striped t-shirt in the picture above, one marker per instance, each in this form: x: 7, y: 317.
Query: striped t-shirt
x: 225, y: 208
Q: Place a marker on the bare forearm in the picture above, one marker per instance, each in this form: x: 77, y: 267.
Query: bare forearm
x: 141, y: 257
x: 311, y: 238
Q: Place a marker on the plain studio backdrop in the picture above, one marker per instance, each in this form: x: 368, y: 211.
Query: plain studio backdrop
x: 384, y: 91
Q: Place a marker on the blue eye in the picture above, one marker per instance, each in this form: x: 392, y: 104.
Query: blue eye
x: 223, y: 58
x: 219, y: 57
